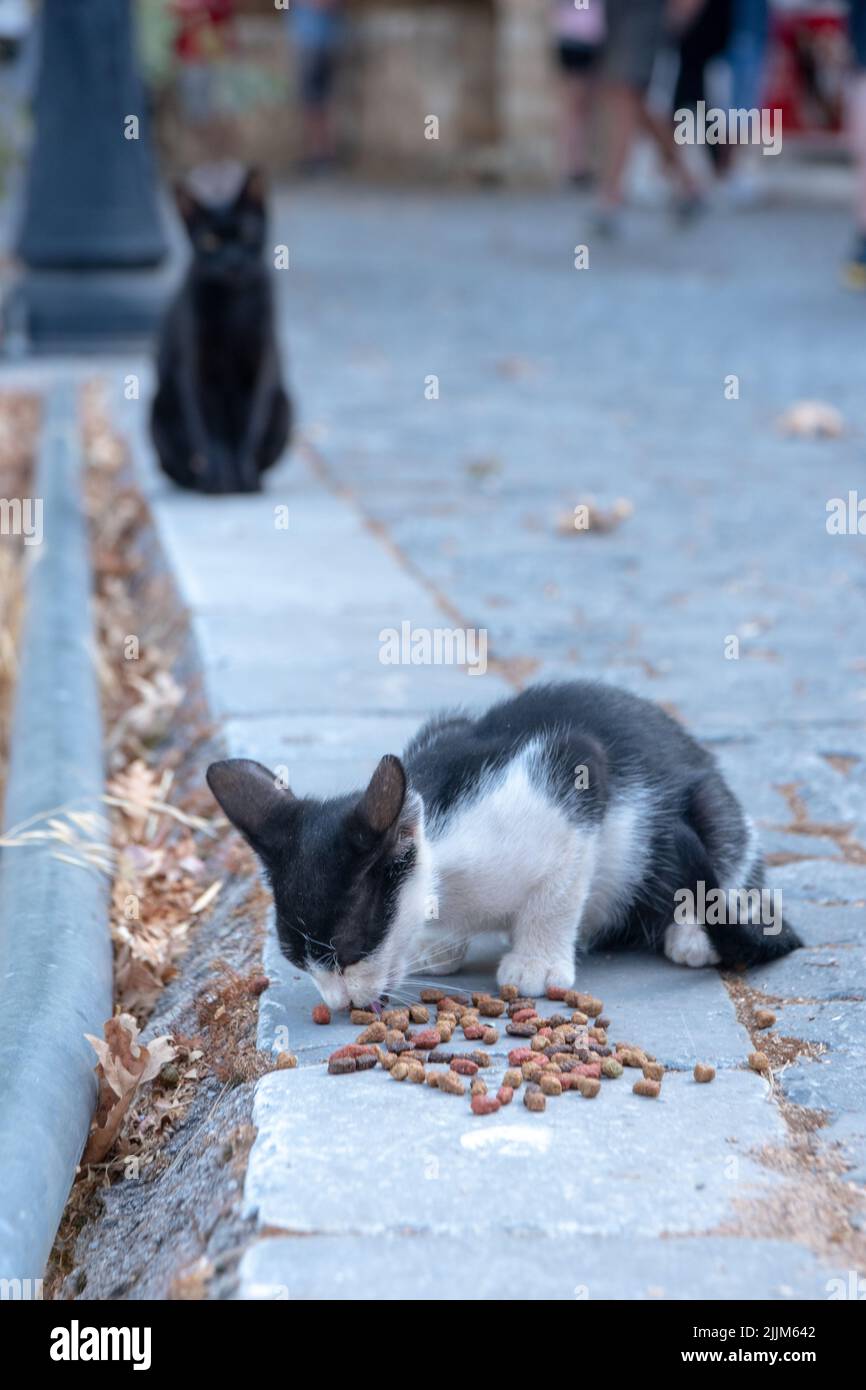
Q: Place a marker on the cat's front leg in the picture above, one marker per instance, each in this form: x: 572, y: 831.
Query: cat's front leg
x: 544, y: 935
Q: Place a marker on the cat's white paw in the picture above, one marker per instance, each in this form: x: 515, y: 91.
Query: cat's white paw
x: 686, y: 943
x: 534, y: 975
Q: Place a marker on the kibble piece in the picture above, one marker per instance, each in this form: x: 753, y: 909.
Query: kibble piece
x: 590, y: 1069
x: 580, y: 1019
x: 631, y: 1057
x: 645, y: 1087
x: 521, y: 1030
x: 473, y: 1032
x: 531, y: 1071
x: 388, y: 1060
x: 534, y: 1100
x: 518, y: 1055
x: 451, y: 1083
x: 401, y: 1045
x: 602, y: 1022
x: 321, y: 1013
x: 484, y: 1105
x: 480, y: 1057
x: 437, y: 1055
x: 428, y: 1038
x: 491, y: 1008
x: 764, y: 1018
x: 396, y: 1018
x: 704, y: 1072
x: 445, y: 1031
x: 361, y: 1016
x: 399, y: 1071
x: 588, y: 1004
x: 611, y: 1067
x: 513, y: 1078
x: 489, y: 1036
x: 550, y: 1084
x: 418, y: 1014
x: 478, y: 1087
x: 653, y: 1071
x: 588, y: 1087
x: 286, y: 1061
x: 554, y: 992
x: 759, y: 1061
x: 417, y: 1074
x: 433, y: 1078
x: 339, y: 1066
x: 508, y: 993
x: 376, y: 1033
x: 366, y: 1061
x: 505, y: 1094
x: 464, y: 1066
x: 432, y: 996
x: 524, y: 1016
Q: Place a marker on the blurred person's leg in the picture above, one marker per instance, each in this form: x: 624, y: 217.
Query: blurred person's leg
x: 856, y: 268
x: 634, y: 33
x: 747, y: 60
x: 317, y: 128
x: 577, y: 63
x: 704, y: 38
x: 747, y: 52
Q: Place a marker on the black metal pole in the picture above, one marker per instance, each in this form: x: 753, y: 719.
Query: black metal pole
x: 90, y: 230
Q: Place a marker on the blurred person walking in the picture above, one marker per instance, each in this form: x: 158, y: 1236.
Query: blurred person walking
x: 317, y: 31
x: 855, y: 270
x: 578, y: 38
x: 636, y: 30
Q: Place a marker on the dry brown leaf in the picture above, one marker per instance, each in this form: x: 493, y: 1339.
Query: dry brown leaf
x: 589, y: 517
x: 206, y: 898
x: 124, y: 1064
x: 812, y: 420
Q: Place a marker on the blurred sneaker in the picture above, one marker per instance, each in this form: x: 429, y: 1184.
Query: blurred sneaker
x: 743, y: 190
x: 688, y: 207
x: 854, y: 270
x: 606, y: 222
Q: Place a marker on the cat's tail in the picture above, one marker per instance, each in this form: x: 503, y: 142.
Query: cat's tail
x: 752, y: 942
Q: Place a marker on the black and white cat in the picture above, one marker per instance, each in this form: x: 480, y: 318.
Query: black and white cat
x: 571, y: 816
x: 220, y: 415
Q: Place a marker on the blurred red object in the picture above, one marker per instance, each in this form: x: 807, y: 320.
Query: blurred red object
x: 809, y: 58
x: 204, y: 28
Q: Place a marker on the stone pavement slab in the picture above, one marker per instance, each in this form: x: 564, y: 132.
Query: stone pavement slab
x: 518, y: 1265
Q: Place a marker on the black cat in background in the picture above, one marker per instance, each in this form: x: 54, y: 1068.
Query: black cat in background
x: 220, y: 415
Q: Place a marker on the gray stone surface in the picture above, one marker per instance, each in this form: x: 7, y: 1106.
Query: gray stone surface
x: 555, y: 387
x: 370, y: 1155
x: 561, y: 1268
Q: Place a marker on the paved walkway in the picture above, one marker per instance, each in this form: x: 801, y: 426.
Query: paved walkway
x: 556, y: 386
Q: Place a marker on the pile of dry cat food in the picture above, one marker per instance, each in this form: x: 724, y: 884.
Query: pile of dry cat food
x: 567, y: 1051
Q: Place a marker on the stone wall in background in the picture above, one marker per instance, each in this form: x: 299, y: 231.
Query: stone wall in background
x: 481, y: 67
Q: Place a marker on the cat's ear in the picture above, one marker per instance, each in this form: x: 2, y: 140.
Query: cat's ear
x: 187, y: 205
x: 380, y: 809
x: 252, y: 190
x: 251, y: 797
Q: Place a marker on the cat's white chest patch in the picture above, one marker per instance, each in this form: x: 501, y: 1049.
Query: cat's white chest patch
x: 503, y: 846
